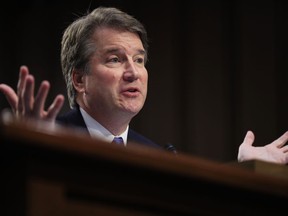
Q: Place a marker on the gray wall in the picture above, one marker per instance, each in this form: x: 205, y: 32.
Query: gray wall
x: 216, y: 68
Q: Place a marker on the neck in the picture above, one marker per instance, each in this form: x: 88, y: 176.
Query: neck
x: 115, y: 124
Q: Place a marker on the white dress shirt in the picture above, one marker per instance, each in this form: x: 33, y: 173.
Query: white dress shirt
x: 98, y: 131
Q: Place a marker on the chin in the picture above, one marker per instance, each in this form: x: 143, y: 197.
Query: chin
x: 132, y: 110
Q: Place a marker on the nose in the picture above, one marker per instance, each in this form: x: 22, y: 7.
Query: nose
x: 130, y: 72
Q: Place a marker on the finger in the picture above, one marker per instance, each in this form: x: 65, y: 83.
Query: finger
x: 249, y: 138
x: 55, y: 107
x: 10, y: 95
x: 23, y: 73
x: 28, y: 95
x: 285, y: 149
x: 40, y: 98
x: 281, y: 141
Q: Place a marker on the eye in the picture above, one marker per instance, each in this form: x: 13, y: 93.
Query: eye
x: 139, y: 60
x: 114, y: 60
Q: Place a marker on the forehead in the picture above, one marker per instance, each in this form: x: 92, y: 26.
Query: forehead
x: 109, y: 37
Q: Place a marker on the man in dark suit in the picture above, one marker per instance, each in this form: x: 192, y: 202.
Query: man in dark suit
x: 103, y: 56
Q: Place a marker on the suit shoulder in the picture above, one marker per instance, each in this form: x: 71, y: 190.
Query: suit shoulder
x: 139, y: 138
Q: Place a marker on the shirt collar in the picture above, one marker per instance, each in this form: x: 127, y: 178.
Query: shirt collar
x: 98, y: 131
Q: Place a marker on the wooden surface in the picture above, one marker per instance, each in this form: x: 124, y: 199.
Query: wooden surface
x: 56, y: 171
x: 263, y: 167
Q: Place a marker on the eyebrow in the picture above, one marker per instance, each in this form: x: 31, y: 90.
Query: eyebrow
x: 117, y: 50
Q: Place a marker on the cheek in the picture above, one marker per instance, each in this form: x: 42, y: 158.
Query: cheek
x: 145, y: 80
x: 99, y: 81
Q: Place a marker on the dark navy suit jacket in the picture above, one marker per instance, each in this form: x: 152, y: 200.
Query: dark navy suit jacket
x: 74, y: 118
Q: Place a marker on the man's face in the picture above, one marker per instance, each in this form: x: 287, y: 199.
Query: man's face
x: 117, y: 83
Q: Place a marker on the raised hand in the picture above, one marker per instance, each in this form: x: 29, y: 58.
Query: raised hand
x: 25, y: 104
x: 275, y: 152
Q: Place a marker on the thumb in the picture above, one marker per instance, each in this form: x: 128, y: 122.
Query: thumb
x: 249, y: 138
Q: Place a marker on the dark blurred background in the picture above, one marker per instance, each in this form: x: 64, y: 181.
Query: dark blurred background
x: 216, y: 68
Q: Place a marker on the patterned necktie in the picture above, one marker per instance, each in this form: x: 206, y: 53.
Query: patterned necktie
x: 118, y: 140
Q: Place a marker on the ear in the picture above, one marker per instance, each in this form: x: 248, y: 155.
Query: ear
x: 78, y: 81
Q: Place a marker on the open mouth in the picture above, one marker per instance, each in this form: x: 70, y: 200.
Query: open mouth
x: 131, y: 92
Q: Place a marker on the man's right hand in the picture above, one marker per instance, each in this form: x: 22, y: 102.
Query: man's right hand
x: 25, y: 104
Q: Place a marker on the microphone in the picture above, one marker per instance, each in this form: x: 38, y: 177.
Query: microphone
x: 171, y: 148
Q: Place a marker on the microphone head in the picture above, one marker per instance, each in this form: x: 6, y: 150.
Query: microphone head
x: 170, y: 147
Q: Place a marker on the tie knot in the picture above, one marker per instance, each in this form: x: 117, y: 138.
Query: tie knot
x: 118, y: 140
